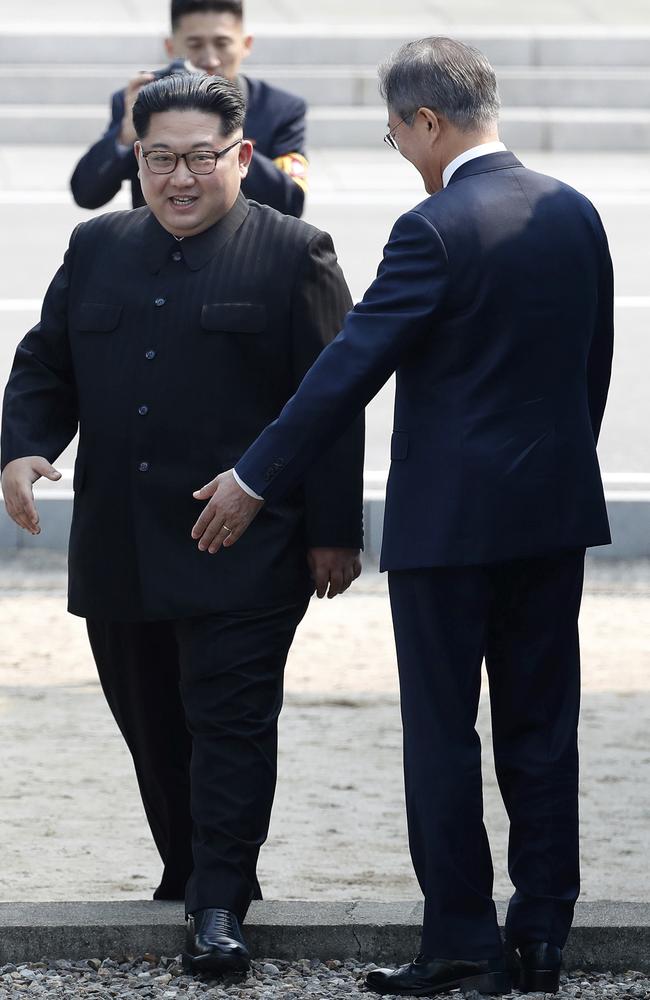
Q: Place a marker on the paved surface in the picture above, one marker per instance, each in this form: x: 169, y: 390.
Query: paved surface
x: 357, y: 195
x: 413, y: 15
x: 74, y: 827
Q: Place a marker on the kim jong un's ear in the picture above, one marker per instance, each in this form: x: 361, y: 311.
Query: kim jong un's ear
x: 245, y: 156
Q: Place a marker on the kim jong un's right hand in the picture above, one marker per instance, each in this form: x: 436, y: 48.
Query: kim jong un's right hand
x: 18, y: 477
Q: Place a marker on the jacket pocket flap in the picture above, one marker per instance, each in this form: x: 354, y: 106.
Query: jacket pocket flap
x: 97, y: 316
x: 399, y: 446
x: 233, y: 317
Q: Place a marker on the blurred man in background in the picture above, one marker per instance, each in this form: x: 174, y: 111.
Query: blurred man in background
x: 207, y: 36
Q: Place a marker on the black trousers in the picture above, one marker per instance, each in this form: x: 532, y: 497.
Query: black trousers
x: 522, y: 618
x: 197, y: 701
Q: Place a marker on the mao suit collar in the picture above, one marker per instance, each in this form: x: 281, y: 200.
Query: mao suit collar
x: 504, y: 160
x: 158, y: 244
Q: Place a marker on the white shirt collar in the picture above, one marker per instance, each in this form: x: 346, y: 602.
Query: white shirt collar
x: 470, y: 154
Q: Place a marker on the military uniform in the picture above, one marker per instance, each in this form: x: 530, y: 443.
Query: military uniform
x: 275, y: 124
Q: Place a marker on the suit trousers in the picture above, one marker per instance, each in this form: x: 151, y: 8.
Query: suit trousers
x: 197, y: 701
x: 521, y: 617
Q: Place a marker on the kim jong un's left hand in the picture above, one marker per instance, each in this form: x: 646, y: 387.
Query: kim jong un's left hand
x: 227, y: 514
x: 334, y: 568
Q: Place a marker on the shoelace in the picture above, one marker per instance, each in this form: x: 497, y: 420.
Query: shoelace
x: 221, y: 922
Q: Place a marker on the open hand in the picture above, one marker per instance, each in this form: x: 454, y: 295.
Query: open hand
x: 227, y: 514
x: 18, y: 477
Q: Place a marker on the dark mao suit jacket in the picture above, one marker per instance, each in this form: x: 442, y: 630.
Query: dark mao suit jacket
x: 494, y: 305
x: 275, y: 123
x: 173, y: 356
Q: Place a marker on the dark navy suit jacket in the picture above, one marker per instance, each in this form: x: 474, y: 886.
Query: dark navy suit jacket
x: 275, y: 123
x: 494, y: 305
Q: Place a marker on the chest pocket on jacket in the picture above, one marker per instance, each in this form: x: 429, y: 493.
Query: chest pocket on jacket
x: 233, y: 317
x: 96, y: 317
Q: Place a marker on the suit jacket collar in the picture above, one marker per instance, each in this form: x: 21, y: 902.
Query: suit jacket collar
x: 158, y: 244
x: 503, y: 160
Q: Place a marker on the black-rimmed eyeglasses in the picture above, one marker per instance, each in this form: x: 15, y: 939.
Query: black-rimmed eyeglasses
x: 197, y: 161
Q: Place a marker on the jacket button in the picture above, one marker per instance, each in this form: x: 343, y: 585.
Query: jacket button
x: 143, y: 467
x: 143, y: 410
x: 150, y: 355
x: 177, y: 255
x: 159, y: 301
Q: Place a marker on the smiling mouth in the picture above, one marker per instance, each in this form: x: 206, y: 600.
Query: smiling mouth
x: 182, y: 202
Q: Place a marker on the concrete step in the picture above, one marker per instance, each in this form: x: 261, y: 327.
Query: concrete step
x: 525, y: 128
x: 605, y: 935
x: 287, y: 44
x: 628, y: 511
x: 569, y: 87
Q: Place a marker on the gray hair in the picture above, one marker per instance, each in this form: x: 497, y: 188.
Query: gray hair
x: 449, y: 77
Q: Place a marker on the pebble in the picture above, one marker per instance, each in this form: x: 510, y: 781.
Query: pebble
x: 150, y: 978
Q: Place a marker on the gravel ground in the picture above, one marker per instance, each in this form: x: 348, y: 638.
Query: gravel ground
x: 66, y: 772
x: 148, y: 978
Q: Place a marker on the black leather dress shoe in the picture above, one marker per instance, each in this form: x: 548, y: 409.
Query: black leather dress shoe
x: 535, y: 967
x: 425, y: 977
x: 214, y: 943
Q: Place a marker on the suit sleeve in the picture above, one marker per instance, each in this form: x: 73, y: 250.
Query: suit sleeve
x: 40, y: 410
x: 99, y: 174
x: 398, y: 309
x: 279, y: 179
x: 599, y: 362
x: 333, y: 487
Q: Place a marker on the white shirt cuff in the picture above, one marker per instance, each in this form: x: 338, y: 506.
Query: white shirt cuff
x: 246, y: 488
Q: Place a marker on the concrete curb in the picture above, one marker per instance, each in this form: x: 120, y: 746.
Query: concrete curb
x: 629, y: 515
x: 606, y: 936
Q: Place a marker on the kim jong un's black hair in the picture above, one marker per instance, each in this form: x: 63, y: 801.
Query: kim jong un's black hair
x: 190, y: 92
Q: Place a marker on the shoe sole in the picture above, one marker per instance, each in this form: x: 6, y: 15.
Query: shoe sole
x: 489, y: 982
x: 235, y: 966
x: 539, y: 980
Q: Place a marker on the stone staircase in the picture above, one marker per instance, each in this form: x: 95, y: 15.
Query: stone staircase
x: 581, y: 89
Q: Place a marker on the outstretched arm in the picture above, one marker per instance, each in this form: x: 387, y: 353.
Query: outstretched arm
x: 39, y: 416
x: 397, y: 310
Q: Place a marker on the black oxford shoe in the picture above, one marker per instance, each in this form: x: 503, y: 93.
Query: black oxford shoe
x: 536, y: 967
x: 214, y: 944
x: 425, y: 977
